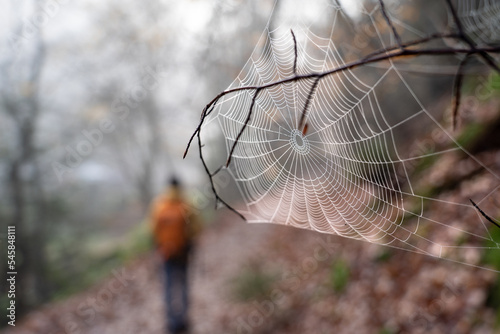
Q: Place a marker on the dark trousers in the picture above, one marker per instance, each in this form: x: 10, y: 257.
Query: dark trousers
x: 176, y: 294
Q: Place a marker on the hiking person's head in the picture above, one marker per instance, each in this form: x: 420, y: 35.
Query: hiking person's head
x: 174, y: 188
x: 173, y: 182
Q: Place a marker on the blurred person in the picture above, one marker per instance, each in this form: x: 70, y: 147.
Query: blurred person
x: 174, y: 228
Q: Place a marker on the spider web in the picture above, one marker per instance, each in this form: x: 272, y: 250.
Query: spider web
x: 481, y: 19
x: 350, y: 172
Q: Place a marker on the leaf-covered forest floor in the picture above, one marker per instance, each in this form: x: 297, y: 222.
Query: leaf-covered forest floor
x: 273, y: 279
x: 261, y: 278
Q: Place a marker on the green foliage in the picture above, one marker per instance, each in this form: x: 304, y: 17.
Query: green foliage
x: 493, y: 299
x: 384, y: 256
x: 339, y: 275
x: 385, y: 331
x: 492, y: 256
x: 494, y: 82
x: 471, y: 134
x: 425, y: 162
x: 252, y: 283
x: 483, y: 87
x: 74, y: 268
x: 138, y: 242
x: 77, y: 278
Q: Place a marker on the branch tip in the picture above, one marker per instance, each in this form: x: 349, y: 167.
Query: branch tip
x: 484, y: 214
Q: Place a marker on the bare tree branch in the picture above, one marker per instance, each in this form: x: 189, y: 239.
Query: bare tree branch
x: 381, y: 56
x: 401, y: 50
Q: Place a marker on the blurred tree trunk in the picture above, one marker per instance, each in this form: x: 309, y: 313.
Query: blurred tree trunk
x: 20, y: 101
x: 139, y: 145
x: 139, y: 152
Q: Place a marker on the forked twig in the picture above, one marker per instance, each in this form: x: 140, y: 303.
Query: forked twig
x: 218, y: 199
x: 257, y: 91
x: 204, y: 114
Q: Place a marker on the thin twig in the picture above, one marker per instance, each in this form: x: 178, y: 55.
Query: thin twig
x: 457, y: 90
x: 295, y: 53
x: 204, y: 114
x: 413, y: 43
x: 484, y: 214
x: 243, y: 127
x: 217, y: 171
x: 390, y: 24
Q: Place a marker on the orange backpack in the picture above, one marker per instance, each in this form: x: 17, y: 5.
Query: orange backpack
x: 170, y: 227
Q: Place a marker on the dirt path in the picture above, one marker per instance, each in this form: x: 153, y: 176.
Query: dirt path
x: 131, y: 299
x: 386, y: 290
